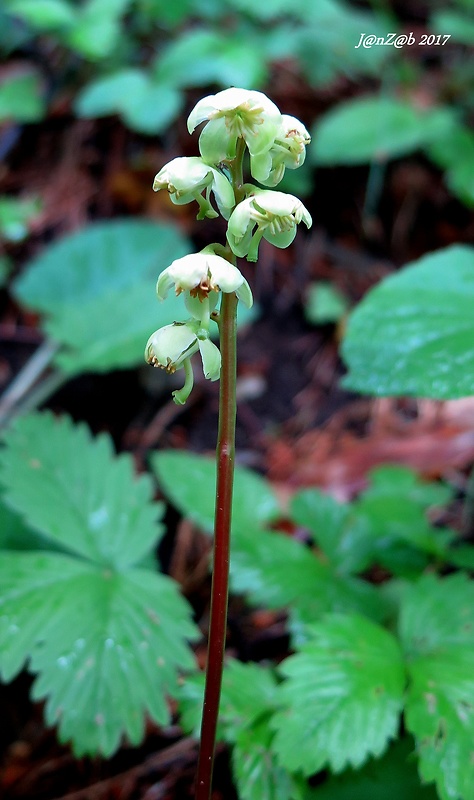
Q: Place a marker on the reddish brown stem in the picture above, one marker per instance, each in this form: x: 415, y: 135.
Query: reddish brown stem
x: 221, y: 554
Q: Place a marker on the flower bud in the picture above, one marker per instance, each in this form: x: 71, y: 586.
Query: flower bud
x: 201, y: 273
x: 232, y: 114
x: 288, y: 150
x: 186, y: 178
x: 275, y: 216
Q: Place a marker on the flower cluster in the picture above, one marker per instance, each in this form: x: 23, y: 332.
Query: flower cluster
x: 234, y: 119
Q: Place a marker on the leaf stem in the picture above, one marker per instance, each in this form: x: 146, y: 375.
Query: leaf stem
x: 225, y: 455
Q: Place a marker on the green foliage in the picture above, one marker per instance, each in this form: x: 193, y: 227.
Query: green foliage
x: 276, y: 571
x: 44, y: 15
x: 460, y: 26
x: 145, y: 105
x: 248, y: 699
x: 454, y: 152
x: 325, y: 303
x: 15, y: 216
x: 98, y: 274
x: 342, y: 698
x: 378, y: 128
x: 205, y: 57
x: 21, y: 98
x: 189, y: 482
x: 326, y: 43
x: 104, y: 636
x: 437, y: 631
x: 391, y: 777
x: 413, y: 334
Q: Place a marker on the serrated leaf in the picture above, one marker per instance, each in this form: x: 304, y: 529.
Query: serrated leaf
x: 248, y: 692
x: 15, y: 535
x: 105, y: 636
x: 342, y: 696
x: 393, y: 508
x: 437, y: 632
x: 189, y: 481
x: 44, y: 14
x: 378, y: 128
x: 21, y: 99
x: 106, y: 644
x: 72, y: 489
x: 336, y: 529
x: 414, y: 333
x: 386, y: 525
x: 256, y: 770
x: 391, y: 777
x: 276, y: 571
x: 106, y: 275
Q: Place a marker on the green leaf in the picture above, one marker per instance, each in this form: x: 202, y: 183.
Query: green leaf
x: 44, y: 15
x: 15, y: 535
x: 104, y: 274
x: 459, y: 26
x: 391, y: 777
x: 414, y: 333
x: 15, y: 216
x: 248, y: 693
x: 342, y: 696
x: 72, y: 489
x: 325, y: 304
x: 454, y: 152
x: 106, y: 644
x: 203, y: 57
x: 105, y: 636
x: 386, y: 525
x: 21, y: 99
x: 189, y: 483
x: 145, y: 105
x: 275, y: 571
x: 394, y: 507
x: 97, y: 30
x: 437, y: 631
x: 256, y: 770
x: 328, y: 38
x: 336, y: 529
x: 379, y: 128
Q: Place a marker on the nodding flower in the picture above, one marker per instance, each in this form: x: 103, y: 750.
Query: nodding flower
x: 233, y: 114
x: 187, y: 178
x: 171, y: 348
x: 271, y: 215
x: 287, y: 151
x: 201, y: 273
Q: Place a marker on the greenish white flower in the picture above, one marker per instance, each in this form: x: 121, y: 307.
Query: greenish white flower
x: 187, y: 178
x: 233, y: 114
x: 271, y: 215
x: 288, y: 150
x: 202, y: 273
x: 171, y: 346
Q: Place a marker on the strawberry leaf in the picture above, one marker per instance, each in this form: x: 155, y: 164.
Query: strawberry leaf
x: 342, y: 696
x: 104, y: 636
x: 437, y: 630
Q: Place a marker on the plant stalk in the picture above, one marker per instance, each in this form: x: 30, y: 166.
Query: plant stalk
x: 225, y: 456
